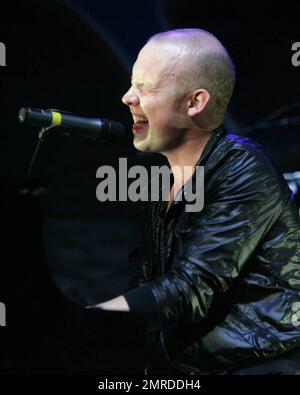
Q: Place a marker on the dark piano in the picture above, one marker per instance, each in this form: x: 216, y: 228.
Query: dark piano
x: 45, y: 330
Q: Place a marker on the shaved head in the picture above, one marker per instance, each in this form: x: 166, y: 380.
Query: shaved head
x: 204, y: 63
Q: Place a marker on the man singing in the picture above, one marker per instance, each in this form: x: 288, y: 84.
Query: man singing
x: 219, y: 287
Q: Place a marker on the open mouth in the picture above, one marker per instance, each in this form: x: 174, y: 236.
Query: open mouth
x: 140, y: 127
x: 140, y: 123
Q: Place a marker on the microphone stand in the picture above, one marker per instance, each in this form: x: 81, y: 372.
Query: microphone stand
x: 33, y: 189
x: 43, y: 132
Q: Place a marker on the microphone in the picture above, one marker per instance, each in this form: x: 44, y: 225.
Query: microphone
x: 96, y: 129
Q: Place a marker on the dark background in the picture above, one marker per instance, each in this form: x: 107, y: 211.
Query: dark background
x: 76, y: 56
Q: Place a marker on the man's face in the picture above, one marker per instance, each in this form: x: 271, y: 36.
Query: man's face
x: 159, y: 113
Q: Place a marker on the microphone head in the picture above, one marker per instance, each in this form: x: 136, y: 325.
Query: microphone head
x: 117, y: 129
x: 96, y: 129
x: 112, y: 131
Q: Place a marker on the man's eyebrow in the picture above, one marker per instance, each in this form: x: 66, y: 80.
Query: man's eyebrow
x: 136, y: 83
x: 143, y: 84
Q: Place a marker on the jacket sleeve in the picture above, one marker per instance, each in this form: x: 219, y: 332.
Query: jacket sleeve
x: 243, y: 201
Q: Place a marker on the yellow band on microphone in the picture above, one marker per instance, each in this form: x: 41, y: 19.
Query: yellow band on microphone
x: 56, y: 118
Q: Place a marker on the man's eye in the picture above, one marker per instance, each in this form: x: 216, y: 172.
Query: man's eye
x: 141, y: 89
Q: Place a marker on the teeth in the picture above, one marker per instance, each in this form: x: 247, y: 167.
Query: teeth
x: 137, y: 118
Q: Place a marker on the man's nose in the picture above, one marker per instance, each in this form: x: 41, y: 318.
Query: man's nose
x: 130, y: 98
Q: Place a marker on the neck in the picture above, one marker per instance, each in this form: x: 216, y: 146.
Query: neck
x: 184, y: 158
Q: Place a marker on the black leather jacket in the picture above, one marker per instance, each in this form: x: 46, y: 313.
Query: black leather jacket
x: 227, y: 278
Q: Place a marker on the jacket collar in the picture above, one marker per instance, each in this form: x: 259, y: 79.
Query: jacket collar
x: 217, y: 134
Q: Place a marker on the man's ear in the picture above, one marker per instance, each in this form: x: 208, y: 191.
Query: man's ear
x: 198, y: 102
